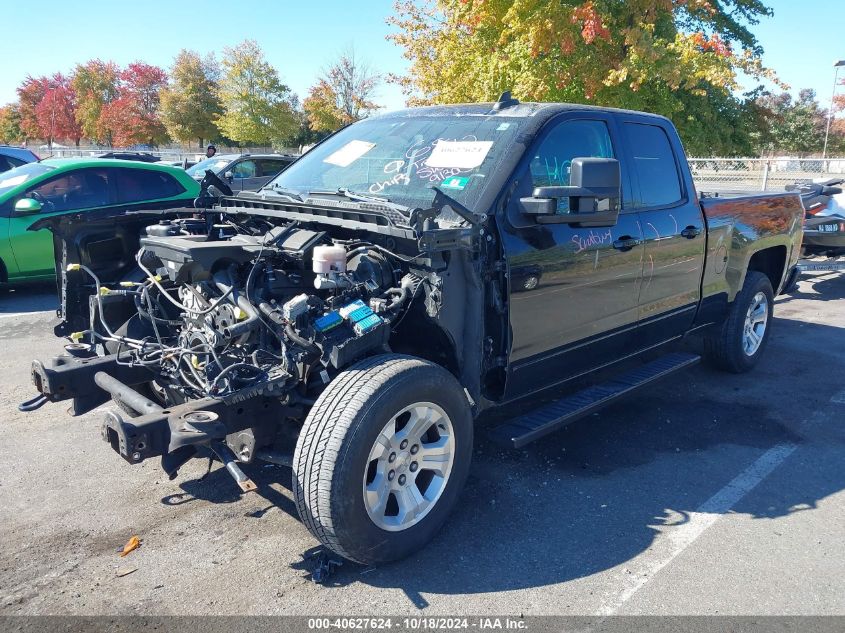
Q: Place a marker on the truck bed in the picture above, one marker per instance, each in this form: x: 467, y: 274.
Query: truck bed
x: 741, y: 224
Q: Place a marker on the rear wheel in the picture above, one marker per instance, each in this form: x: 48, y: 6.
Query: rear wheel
x: 740, y: 342
x: 382, y: 458
x: 531, y: 283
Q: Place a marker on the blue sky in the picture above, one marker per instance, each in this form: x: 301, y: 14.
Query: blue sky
x: 301, y: 38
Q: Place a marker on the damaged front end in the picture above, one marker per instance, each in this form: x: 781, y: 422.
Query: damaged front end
x: 225, y: 326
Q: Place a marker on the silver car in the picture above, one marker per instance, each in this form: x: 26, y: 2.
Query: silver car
x: 243, y: 172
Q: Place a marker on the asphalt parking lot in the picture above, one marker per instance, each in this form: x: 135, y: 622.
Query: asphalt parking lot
x: 709, y: 494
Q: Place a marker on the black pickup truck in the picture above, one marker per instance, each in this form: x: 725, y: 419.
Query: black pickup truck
x: 353, y: 318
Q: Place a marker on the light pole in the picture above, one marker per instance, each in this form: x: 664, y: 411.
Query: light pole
x: 841, y: 62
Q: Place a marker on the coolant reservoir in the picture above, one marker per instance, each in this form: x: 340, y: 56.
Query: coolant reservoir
x: 329, y: 259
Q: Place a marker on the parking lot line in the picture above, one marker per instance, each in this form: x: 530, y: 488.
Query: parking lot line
x: 677, y: 539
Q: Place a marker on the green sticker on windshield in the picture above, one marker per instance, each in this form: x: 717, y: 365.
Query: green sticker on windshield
x: 455, y: 182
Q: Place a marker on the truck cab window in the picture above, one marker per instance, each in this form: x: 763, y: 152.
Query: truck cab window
x: 552, y: 160
x: 654, y: 165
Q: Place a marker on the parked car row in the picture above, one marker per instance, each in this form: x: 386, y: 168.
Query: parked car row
x: 244, y: 172
x: 62, y: 185
x: 30, y: 187
x: 247, y: 172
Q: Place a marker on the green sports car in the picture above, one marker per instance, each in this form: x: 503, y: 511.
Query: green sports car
x: 64, y: 185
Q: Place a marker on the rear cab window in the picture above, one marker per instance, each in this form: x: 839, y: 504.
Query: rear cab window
x: 654, y: 166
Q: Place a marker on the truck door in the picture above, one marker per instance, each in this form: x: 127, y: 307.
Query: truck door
x: 673, y: 229
x: 572, y: 291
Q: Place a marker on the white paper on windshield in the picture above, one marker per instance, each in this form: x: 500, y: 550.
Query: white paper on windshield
x: 349, y: 153
x: 14, y: 180
x: 459, y: 154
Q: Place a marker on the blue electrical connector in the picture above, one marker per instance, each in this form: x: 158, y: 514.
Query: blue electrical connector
x: 367, y: 324
x: 361, y: 317
x: 328, y: 322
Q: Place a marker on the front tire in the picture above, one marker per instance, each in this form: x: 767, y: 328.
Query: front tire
x: 387, y: 414
x: 738, y: 345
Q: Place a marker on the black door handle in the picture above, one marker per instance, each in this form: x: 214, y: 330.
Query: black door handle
x: 691, y: 232
x: 626, y: 243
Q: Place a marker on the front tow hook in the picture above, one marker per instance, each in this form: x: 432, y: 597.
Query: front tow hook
x: 225, y: 455
x: 33, y: 403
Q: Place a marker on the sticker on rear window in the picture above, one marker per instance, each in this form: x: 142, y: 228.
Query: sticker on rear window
x: 459, y: 154
x: 349, y: 153
x: 455, y: 182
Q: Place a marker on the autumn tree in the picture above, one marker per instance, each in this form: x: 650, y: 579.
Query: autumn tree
x: 342, y: 95
x: 257, y: 107
x: 653, y: 55
x: 30, y: 94
x: 794, y: 126
x: 10, y: 124
x: 836, y: 141
x: 56, y: 112
x: 96, y: 86
x: 191, y: 102
x: 133, y: 117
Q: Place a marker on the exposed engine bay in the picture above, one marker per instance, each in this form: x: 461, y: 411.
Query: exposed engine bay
x: 218, y: 328
x: 251, y: 308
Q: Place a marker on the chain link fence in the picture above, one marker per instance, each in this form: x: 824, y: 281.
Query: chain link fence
x: 761, y: 174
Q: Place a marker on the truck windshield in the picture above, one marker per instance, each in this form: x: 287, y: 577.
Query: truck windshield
x: 401, y: 158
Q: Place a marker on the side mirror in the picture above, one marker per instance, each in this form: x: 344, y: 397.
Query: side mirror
x: 26, y: 206
x: 229, y: 175
x: 593, y: 195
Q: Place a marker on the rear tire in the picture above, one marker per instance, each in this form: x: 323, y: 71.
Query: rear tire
x: 738, y: 345
x: 389, y: 413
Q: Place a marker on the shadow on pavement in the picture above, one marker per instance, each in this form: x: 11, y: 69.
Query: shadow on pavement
x: 817, y: 287
x: 593, y: 496
x: 25, y: 298
x: 218, y: 487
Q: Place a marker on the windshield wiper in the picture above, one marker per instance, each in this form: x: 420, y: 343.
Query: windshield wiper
x: 362, y: 197
x: 289, y: 193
